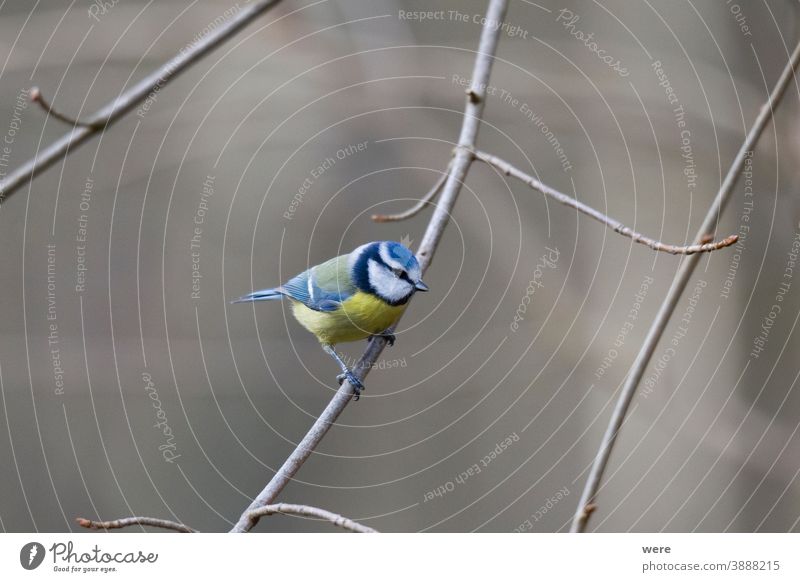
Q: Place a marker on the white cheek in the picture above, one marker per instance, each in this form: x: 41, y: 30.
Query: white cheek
x: 387, y: 284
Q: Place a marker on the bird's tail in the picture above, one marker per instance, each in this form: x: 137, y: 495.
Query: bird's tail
x: 263, y: 295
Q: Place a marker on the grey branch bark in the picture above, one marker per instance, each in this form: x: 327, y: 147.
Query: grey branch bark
x: 308, y: 511
x: 612, y: 223
x: 419, y: 206
x: 126, y: 101
x: 462, y: 160
x: 130, y: 521
x: 588, y: 501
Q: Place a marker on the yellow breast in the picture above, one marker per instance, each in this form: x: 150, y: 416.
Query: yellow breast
x: 360, y: 316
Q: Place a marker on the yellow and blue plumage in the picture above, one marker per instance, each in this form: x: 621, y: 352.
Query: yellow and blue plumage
x: 352, y: 296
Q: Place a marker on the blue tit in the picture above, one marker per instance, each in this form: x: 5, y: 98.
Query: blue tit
x: 351, y: 297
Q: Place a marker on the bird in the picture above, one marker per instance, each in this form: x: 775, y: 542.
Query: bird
x: 351, y: 297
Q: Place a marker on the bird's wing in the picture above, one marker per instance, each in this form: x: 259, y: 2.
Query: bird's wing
x: 323, y: 287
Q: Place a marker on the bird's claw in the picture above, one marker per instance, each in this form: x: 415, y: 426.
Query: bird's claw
x: 358, y: 387
x: 389, y: 337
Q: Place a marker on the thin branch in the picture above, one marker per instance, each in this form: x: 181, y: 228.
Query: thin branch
x: 588, y: 499
x: 612, y: 223
x: 308, y: 511
x: 125, y: 102
x: 419, y: 206
x: 473, y: 112
x: 36, y: 96
x: 129, y: 521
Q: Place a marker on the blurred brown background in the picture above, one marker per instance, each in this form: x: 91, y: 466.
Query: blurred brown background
x: 711, y: 445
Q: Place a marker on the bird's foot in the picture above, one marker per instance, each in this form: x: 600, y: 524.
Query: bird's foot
x: 388, y: 336
x: 358, y: 387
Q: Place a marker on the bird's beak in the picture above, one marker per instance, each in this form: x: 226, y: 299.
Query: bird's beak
x: 420, y: 286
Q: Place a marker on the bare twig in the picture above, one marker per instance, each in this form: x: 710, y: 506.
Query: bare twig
x: 589, y: 495
x: 612, y: 223
x: 308, y: 511
x: 461, y: 162
x: 129, y: 521
x: 36, y: 96
x: 417, y: 208
x: 126, y: 101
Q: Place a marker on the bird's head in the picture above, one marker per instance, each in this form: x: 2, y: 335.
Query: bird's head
x: 386, y: 269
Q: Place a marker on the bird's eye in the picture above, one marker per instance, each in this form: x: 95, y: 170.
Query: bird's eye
x: 397, y: 272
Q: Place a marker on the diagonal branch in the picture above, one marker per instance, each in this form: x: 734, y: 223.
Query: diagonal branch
x: 129, y: 521
x: 473, y: 111
x: 309, y: 511
x: 125, y: 102
x: 417, y: 208
x: 615, y: 225
x: 588, y: 499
